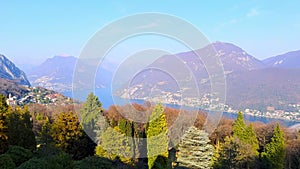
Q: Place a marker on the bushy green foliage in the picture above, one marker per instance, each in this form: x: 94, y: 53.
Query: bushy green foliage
x: 55, y: 158
x: 195, y: 150
x: 94, y: 162
x: 60, y: 161
x: 274, y: 152
x: 6, y: 162
x: 19, y: 154
x: 34, y: 163
x: 157, y: 140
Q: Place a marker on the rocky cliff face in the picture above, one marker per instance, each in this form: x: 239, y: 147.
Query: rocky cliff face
x: 8, y: 70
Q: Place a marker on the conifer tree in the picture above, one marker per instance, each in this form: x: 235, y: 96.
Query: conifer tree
x: 195, y: 150
x: 274, y: 152
x: 240, y: 150
x: 252, y: 139
x: 240, y: 127
x: 90, y: 115
x: 157, y: 140
x: 115, y: 144
x: 244, y: 133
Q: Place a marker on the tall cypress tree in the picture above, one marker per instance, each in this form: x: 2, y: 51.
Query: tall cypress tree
x: 157, y: 140
x: 240, y: 127
x: 195, y: 150
x: 274, y: 152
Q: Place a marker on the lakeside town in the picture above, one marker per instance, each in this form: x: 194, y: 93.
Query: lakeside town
x: 41, y: 96
x: 207, y: 102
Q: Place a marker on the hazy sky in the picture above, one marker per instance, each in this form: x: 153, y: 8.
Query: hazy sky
x: 33, y: 31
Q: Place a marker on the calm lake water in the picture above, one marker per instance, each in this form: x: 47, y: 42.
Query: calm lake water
x: 107, y: 100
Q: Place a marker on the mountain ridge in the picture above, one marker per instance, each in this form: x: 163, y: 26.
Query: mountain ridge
x: 287, y: 60
x: 8, y: 70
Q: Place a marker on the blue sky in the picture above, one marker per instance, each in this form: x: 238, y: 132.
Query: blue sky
x: 33, y: 31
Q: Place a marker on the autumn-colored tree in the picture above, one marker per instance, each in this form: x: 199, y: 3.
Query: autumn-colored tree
x: 68, y: 135
x: 274, y: 152
x: 157, y: 140
x: 293, y: 154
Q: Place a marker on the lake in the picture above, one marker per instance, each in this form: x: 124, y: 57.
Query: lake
x: 105, y: 96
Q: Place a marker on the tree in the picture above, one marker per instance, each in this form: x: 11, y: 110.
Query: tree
x: 90, y: 114
x: 45, y: 134
x: 195, y: 150
x: 240, y: 127
x: 130, y: 129
x: 252, y: 139
x: 20, y: 129
x: 227, y: 157
x: 239, y: 150
x: 3, y: 124
x: 274, y: 152
x: 157, y: 140
x: 115, y: 145
x: 246, y: 135
x: 68, y: 135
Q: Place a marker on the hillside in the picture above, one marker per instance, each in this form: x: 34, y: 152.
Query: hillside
x: 55, y: 73
x: 10, y: 71
x: 249, y: 82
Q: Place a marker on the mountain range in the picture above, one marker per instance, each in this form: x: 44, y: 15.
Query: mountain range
x: 55, y: 73
x: 249, y: 82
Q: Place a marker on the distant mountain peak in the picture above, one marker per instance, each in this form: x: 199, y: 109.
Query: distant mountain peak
x: 286, y: 60
x: 8, y: 70
x: 227, y: 47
